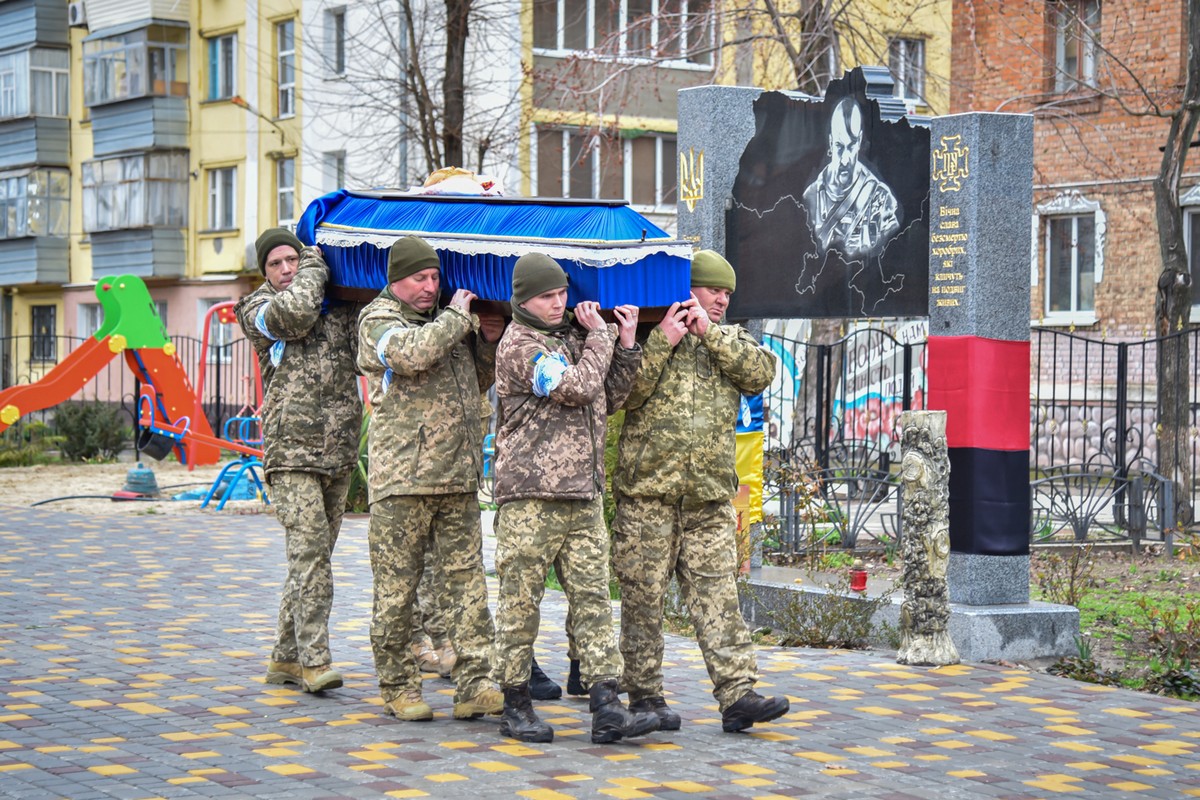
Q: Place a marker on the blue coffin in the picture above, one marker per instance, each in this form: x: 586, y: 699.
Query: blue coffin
x: 611, y: 253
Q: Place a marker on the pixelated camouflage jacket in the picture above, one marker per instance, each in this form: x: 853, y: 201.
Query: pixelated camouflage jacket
x: 552, y: 448
x: 425, y: 436
x: 311, y: 414
x: 679, y: 435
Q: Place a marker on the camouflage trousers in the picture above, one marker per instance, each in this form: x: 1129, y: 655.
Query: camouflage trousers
x: 402, y: 529
x: 428, y: 618
x: 654, y: 540
x: 531, y: 535
x: 310, y: 508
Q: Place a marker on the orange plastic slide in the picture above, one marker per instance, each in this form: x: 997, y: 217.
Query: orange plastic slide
x: 59, y: 384
x: 171, y: 383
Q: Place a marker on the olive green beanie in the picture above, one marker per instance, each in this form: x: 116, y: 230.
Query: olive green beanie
x: 271, y: 238
x: 533, y: 274
x: 409, y: 256
x: 711, y: 270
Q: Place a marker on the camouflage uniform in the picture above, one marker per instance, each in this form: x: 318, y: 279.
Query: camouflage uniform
x: 550, y: 486
x: 426, y: 456
x: 311, y: 417
x: 674, y: 482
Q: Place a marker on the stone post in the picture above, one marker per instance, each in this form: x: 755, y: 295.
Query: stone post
x: 925, y: 492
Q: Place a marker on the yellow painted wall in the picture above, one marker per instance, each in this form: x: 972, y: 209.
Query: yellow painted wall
x: 279, y: 137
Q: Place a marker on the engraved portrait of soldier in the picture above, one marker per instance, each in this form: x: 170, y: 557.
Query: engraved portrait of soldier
x: 849, y: 207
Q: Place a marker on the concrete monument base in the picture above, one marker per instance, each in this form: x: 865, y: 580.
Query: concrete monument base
x: 1018, y: 632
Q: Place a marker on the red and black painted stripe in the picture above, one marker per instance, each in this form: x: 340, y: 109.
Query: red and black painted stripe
x: 983, y: 386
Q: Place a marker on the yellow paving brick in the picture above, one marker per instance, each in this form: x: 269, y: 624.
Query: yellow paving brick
x: 1078, y: 747
x: 227, y: 711
x: 446, y: 777
x: 966, y: 773
x: 488, y: 766
x: 1056, y: 783
x: 277, y: 752
x: 1087, y: 766
x: 516, y: 750
x: 1126, y: 712
x: 365, y: 755
x: 752, y: 783
x: 1171, y: 747
x: 952, y: 744
x: 406, y: 793
x: 202, y: 754
x: 1070, y: 730
x: 544, y: 794
x: 824, y: 758
x: 932, y: 757
x: 897, y: 740
x: 15, y: 767
x: 1153, y: 771
x: 90, y: 703
x: 657, y: 746
x: 868, y: 751
x: 1130, y: 786
x: 143, y: 708
x: 456, y: 745
x: 889, y: 764
x: 687, y: 787
x: 1142, y: 761
x: 944, y: 717
x: 879, y: 711
x: 776, y: 736
x: 109, y: 770
x: 838, y: 772
x: 992, y: 736
x: 622, y: 757
x: 749, y: 769
x: 624, y: 794
x: 937, y: 731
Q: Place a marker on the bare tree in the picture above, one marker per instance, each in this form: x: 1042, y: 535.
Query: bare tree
x: 425, y: 80
x: 1142, y: 88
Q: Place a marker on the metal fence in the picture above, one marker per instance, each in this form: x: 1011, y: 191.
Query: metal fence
x: 831, y: 442
x: 228, y: 381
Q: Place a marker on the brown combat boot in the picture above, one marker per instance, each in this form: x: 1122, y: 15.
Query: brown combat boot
x: 285, y: 672
x: 320, y: 678
x: 409, y: 707
x: 427, y: 657
x: 485, y: 701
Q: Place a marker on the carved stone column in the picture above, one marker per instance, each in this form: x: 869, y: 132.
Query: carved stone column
x: 925, y: 493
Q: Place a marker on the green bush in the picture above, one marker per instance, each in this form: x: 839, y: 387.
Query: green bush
x: 90, y: 431
x: 25, y: 444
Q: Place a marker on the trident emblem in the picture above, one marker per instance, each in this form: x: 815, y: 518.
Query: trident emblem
x: 691, y: 178
x: 951, y: 164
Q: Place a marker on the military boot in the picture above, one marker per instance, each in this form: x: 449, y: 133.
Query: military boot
x: 611, y: 720
x: 320, y: 678
x: 668, y: 719
x: 574, y: 681
x: 519, y: 720
x: 752, y: 707
x: 540, y: 685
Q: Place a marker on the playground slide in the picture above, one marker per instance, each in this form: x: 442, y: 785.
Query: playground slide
x: 59, y: 384
x: 177, y: 399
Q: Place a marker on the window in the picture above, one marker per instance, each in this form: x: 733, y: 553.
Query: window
x: 285, y: 191
x: 91, y: 317
x: 664, y: 29
x: 222, y: 202
x: 34, y: 82
x: 640, y: 169
x: 220, y: 334
x: 335, y: 41
x: 151, y: 61
x: 1076, y: 30
x: 285, y: 67
x: 1189, y: 202
x: 222, y: 67
x: 335, y: 170
x: 138, y: 191
x: 1070, y: 257
x: 906, y: 59
x: 34, y: 202
x: 43, y: 346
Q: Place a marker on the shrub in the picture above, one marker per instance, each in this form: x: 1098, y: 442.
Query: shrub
x: 25, y: 444
x: 90, y: 431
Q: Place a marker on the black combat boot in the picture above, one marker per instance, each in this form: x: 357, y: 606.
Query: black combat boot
x: 752, y: 708
x: 611, y: 720
x: 668, y: 720
x: 519, y: 720
x: 574, y: 682
x: 540, y: 685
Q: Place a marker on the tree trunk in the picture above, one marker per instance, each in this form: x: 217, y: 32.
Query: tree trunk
x: 1172, y: 308
x: 453, y: 94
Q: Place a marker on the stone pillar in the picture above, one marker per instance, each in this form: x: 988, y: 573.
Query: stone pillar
x: 925, y: 489
x: 981, y: 203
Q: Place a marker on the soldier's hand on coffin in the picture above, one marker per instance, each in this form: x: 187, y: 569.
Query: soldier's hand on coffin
x: 674, y: 322
x: 491, y: 326
x: 462, y: 300
x: 697, y: 318
x: 627, y: 317
x: 588, y: 314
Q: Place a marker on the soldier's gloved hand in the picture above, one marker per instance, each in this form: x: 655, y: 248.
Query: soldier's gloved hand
x: 674, y: 323
x: 627, y: 317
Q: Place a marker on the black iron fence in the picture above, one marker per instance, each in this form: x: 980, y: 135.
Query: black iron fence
x: 831, y: 437
x: 228, y: 384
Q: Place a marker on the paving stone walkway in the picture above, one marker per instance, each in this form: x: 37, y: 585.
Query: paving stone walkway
x: 132, y: 651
